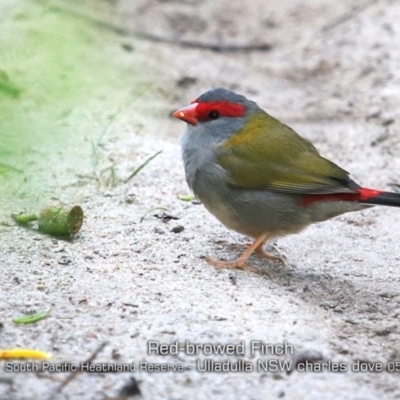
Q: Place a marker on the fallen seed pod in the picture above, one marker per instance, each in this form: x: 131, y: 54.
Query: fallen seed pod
x: 56, y: 219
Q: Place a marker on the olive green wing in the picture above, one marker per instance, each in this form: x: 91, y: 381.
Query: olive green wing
x: 269, y: 155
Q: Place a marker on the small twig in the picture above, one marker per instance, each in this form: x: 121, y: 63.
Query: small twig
x: 152, y: 209
x: 74, y: 373
x: 138, y: 169
x: 347, y: 16
x: 216, y: 47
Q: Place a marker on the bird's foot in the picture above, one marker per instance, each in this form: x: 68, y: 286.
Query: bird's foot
x: 241, y: 261
x: 241, y: 264
x: 263, y: 254
x: 268, y: 256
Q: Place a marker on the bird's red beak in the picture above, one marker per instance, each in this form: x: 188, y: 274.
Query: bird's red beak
x: 187, y: 114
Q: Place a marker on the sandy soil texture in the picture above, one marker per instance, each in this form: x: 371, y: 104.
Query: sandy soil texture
x: 136, y: 273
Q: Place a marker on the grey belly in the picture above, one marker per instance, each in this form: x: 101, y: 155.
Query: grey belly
x: 254, y: 212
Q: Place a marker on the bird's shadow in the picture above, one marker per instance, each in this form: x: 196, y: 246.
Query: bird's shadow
x: 363, y: 306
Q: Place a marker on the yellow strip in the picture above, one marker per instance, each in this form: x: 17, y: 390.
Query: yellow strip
x: 23, y: 353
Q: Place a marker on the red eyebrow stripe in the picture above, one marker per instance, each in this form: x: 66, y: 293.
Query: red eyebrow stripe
x: 226, y: 109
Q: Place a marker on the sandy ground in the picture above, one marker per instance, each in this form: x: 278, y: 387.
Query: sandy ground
x: 332, y: 74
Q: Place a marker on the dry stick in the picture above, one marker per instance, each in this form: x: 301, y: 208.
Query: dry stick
x: 347, y: 15
x: 138, y: 169
x: 73, y: 374
x: 159, y: 39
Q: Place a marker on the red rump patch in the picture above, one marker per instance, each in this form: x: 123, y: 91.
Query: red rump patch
x: 224, y: 108
x: 363, y: 195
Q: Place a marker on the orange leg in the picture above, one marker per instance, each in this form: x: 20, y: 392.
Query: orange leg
x: 241, y: 261
x: 259, y: 250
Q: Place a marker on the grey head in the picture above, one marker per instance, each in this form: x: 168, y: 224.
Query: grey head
x: 222, y: 94
x: 219, y: 114
x: 211, y: 119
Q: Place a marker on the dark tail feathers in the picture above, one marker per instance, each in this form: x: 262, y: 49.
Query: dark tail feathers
x: 384, y: 199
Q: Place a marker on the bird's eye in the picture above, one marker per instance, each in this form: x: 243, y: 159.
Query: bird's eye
x: 213, y: 114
